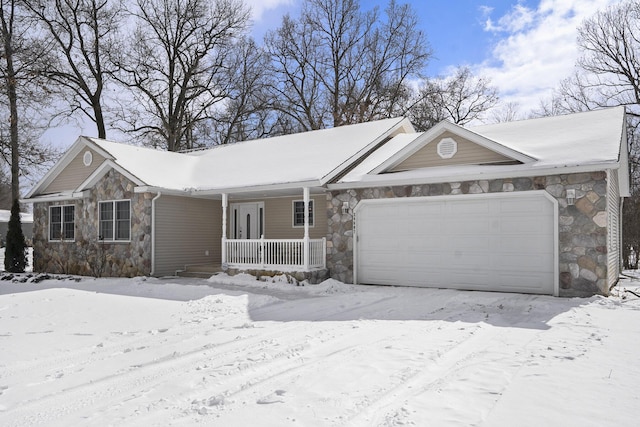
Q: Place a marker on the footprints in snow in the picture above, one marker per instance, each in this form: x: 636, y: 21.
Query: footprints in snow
x: 205, y: 406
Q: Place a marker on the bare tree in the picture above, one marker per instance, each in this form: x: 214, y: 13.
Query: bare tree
x: 10, y: 73
x: 8, y: 17
x: 507, y: 112
x: 15, y: 259
x: 246, y: 111
x: 175, y: 66
x: 610, y: 44
x: 336, y: 65
x: 297, y: 91
x: 83, y: 34
x: 460, y: 98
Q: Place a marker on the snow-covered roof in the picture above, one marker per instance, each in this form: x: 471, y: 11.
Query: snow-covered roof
x: 574, y: 139
x: 311, y: 157
x: 562, y: 144
x: 582, y: 141
x: 5, y: 215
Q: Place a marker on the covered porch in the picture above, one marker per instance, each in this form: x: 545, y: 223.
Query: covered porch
x: 244, y: 246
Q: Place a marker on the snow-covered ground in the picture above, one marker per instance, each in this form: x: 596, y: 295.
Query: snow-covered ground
x: 237, y: 352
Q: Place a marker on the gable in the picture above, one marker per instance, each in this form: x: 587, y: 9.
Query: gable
x: 455, y: 150
x: 81, y: 166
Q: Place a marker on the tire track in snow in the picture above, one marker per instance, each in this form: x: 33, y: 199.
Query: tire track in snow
x: 250, y: 384
x: 112, y: 388
x: 434, y: 374
x: 465, y: 364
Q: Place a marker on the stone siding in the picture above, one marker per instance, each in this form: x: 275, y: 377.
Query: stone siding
x: 86, y: 255
x: 582, y: 227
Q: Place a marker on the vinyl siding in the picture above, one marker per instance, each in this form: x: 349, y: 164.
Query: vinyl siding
x: 278, y: 214
x: 74, y: 174
x: 468, y: 153
x: 613, y: 223
x: 185, y: 229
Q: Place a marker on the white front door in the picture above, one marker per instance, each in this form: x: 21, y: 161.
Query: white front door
x: 247, y: 220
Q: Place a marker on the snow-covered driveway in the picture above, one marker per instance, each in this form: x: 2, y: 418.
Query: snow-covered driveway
x: 233, y: 352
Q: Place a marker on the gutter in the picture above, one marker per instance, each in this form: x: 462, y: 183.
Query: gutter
x: 393, y: 179
x: 59, y: 197
x: 153, y: 233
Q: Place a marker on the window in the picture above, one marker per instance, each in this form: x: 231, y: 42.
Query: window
x: 61, y: 222
x: 115, y: 220
x: 298, y: 213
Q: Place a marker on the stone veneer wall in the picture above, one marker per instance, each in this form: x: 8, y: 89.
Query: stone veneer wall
x: 121, y: 259
x: 582, y: 227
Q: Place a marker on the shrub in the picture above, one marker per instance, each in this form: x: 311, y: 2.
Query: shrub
x: 15, y: 257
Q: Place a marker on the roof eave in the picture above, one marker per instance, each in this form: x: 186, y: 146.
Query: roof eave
x: 102, y: 170
x: 164, y: 191
x: 56, y: 197
x: 259, y: 188
x: 397, y: 179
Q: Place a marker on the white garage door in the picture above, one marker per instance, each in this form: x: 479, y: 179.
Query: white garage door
x: 495, y: 242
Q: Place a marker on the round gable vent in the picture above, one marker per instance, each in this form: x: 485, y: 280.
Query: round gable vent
x: 87, y: 158
x: 447, y: 148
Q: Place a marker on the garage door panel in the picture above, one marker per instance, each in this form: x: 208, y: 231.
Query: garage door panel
x: 468, y: 207
x: 520, y: 206
x: 461, y: 243
x: 526, y: 262
x: 416, y: 211
x: 503, y: 243
x: 419, y: 258
x: 514, y: 244
x: 472, y: 260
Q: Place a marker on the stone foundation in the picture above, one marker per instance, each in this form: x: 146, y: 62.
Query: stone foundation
x: 582, y: 227
x: 313, y: 277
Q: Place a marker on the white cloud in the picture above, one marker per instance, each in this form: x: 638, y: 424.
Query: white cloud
x: 517, y: 19
x: 536, y: 48
x: 259, y: 7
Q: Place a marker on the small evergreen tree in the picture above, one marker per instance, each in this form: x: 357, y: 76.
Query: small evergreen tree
x: 15, y: 259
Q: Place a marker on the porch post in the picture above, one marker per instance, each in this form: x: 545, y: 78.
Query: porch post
x: 225, y: 202
x: 305, y: 192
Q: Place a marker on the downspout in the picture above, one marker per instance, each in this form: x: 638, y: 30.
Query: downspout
x: 305, y: 195
x: 153, y: 233
x: 223, y: 253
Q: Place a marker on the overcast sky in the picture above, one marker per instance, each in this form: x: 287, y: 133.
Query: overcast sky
x: 526, y: 47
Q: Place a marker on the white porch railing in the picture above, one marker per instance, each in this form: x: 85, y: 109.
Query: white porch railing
x: 275, y: 254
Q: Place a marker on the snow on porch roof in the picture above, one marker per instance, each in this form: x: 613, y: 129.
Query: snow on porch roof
x: 310, y: 157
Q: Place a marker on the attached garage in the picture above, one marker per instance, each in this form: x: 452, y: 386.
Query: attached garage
x: 491, y: 242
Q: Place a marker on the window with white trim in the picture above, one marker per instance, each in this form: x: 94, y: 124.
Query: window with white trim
x: 298, y: 213
x: 115, y: 220
x: 62, y: 222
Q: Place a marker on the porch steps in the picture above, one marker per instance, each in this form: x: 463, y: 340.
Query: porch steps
x: 202, y: 271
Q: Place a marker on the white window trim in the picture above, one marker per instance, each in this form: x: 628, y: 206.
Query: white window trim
x: 312, y: 223
x: 113, y: 203
x: 62, y: 239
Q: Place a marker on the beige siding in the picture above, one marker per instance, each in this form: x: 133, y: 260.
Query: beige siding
x: 186, y: 228
x: 613, y: 233
x: 74, y: 174
x: 278, y: 214
x: 468, y: 153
